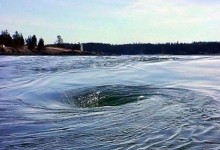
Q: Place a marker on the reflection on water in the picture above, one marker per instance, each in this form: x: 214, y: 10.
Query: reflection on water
x: 126, y: 102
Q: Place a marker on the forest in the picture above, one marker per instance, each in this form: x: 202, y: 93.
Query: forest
x: 195, y: 48
x: 17, y: 41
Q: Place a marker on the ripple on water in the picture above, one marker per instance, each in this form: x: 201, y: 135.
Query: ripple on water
x: 154, y: 117
x: 121, y: 116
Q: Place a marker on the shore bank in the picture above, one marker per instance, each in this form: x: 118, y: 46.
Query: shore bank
x: 46, y: 51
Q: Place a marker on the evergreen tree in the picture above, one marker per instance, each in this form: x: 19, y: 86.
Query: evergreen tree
x: 6, y: 38
x: 16, y: 39
x: 31, y: 42
x: 40, y: 45
x: 21, y: 40
x: 34, y: 40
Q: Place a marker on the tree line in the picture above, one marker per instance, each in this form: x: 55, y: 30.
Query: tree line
x: 17, y: 41
x: 195, y: 48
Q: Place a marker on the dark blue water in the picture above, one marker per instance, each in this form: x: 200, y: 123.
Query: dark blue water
x: 126, y: 102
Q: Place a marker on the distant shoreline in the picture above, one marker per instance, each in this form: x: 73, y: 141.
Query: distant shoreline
x: 102, y: 49
x: 53, y: 51
x: 18, y: 45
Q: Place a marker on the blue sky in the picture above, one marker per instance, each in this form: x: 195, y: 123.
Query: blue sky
x: 113, y: 21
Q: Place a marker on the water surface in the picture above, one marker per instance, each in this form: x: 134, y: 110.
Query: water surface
x: 117, y: 102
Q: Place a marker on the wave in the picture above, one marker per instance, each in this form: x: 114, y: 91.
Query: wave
x: 57, y: 64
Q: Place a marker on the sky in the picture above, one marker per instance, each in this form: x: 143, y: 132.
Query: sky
x: 113, y: 21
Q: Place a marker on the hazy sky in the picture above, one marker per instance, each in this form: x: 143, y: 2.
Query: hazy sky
x: 113, y: 21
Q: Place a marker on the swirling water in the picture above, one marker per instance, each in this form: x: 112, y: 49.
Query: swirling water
x: 115, y: 102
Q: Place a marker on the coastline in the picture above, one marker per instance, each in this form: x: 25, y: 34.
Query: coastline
x: 10, y: 51
x: 60, y: 51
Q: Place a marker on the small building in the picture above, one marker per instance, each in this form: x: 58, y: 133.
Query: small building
x: 81, y: 47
